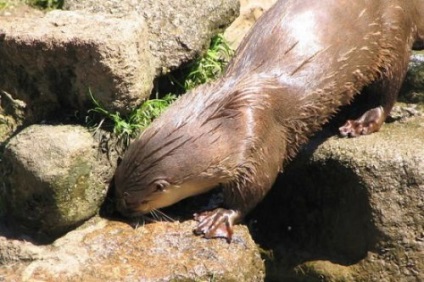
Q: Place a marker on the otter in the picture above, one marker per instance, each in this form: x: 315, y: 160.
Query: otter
x: 298, y: 65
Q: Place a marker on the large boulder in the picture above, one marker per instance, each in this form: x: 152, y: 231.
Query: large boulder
x: 53, y: 178
x: 105, y: 250
x: 51, y: 63
x: 178, y: 30
x: 357, y: 204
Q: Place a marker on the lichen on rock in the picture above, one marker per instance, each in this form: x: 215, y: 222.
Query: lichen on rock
x: 52, y: 183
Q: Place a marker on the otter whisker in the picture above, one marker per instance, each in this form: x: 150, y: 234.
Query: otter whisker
x: 164, y: 216
x: 154, y: 215
x: 137, y: 220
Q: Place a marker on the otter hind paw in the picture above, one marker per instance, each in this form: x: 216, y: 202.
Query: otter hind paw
x: 368, y: 123
x: 216, y: 224
x: 354, y: 128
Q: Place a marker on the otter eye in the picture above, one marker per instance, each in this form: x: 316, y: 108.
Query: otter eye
x: 160, y: 185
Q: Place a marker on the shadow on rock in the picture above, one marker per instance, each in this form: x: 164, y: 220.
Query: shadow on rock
x: 315, y: 211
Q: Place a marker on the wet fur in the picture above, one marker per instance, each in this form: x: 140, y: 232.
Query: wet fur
x: 278, y: 90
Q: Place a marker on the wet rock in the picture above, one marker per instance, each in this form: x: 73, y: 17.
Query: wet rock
x: 105, y: 250
x: 178, y: 30
x: 52, y: 178
x: 354, y: 202
x: 52, y: 63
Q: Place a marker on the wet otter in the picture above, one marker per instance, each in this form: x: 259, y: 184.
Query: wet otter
x: 300, y: 63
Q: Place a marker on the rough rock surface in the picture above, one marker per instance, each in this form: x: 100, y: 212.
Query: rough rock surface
x: 105, y: 250
x: 52, y: 178
x: 354, y: 202
x: 345, y: 210
x: 18, y: 8
x: 250, y: 11
x: 51, y: 63
x: 178, y: 30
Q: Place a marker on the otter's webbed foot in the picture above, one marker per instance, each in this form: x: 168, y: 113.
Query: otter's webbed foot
x: 216, y: 224
x: 368, y: 123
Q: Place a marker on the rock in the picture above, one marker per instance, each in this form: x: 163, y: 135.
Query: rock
x: 403, y: 111
x: 113, y: 251
x: 355, y: 202
x: 413, y: 87
x: 52, y: 63
x: 178, y: 32
x: 17, y: 250
x: 53, y: 178
x: 17, y: 8
x: 250, y: 11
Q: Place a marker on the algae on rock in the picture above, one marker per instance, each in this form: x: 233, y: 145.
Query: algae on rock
x: 51, y: 178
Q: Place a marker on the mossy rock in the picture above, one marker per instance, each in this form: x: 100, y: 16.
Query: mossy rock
x: 51, y: 178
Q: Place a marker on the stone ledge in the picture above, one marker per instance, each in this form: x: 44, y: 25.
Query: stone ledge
x: 51, y: 63
x: 105, y: 250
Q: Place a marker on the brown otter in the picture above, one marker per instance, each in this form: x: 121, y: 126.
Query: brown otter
x: 300, y: 63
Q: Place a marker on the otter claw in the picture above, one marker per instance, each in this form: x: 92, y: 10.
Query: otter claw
x: 215, y: 224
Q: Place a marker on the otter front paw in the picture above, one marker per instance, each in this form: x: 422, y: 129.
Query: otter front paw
x: 216, y: 224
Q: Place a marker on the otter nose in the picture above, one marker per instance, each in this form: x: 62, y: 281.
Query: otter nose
x: 130, y: 206
x: 121, y: 206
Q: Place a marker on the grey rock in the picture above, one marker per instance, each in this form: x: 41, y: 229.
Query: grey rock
x: 53, y: 178
x: 51, y: 63
x: 103, y: 250
x: 178, y: 30
x: 357, y: 202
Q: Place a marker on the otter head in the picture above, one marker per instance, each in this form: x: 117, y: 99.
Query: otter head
x: 173, y: 159
x: 159, y: 171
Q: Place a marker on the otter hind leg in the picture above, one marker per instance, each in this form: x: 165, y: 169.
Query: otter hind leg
x: 379, y: 100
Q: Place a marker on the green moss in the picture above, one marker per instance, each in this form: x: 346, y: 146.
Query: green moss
x: 204, y: 69
x: 76, y: 195
x: 3, y: 5
x: 210, y: 65
x: 127, y: 127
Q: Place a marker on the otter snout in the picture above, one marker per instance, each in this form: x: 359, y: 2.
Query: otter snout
x: 127, y: 207
x: 121, y: 206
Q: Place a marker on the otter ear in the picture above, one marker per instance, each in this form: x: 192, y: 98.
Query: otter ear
x: 160, y: 185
